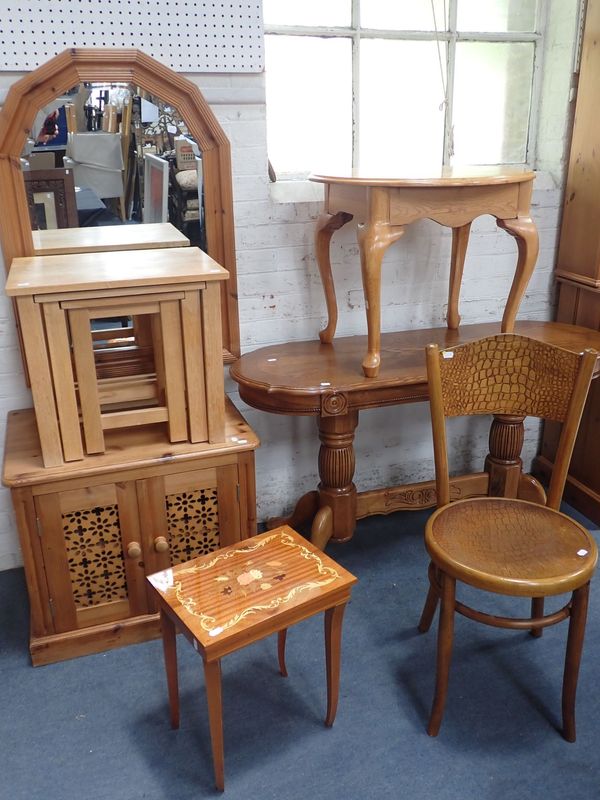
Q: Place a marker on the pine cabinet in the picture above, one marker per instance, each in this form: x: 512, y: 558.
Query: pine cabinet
x: 578, y: 269
x: 90, y: 535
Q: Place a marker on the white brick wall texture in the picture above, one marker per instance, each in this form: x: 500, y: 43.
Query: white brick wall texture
x: 281, y: 298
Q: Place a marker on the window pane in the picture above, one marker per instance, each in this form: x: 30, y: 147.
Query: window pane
x: 401, y: 119
x: 309, y: 103
x: 492, y: 98
x: 414, y: 15
x: 496, y: 15
x: 307, y: 12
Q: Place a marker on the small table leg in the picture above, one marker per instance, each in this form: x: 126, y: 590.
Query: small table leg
x: 525, y: 232
x: 374, y: 238
x: 170, y: 654
x: 212, y: 678
x: 281, y: 637
x: 460, y: 240
x: 333, y: 639
x: 327, y: 224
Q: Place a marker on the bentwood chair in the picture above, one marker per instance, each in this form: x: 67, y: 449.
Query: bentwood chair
x: 498, y: 544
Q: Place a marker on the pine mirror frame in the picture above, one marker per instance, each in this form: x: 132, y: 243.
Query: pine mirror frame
x: 77, y: 65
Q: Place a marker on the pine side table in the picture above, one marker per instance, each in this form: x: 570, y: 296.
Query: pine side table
x: 59, y: 297
x: 385, y: 204
x: 226, y: 600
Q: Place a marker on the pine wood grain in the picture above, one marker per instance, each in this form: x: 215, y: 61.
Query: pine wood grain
x: 121, y: 269
x: 107, y: 238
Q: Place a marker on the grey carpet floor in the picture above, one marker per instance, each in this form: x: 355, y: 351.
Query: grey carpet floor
x: 97, y: 727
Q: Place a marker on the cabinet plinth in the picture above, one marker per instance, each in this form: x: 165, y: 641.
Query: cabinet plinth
x: 90, y: 531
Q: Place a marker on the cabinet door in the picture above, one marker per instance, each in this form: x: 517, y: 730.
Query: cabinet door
x: 92, y: 555
x: 187, y: 514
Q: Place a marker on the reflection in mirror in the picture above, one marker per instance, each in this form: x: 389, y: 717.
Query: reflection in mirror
x: 51, y: 198
x: 110, y: 154
x: 49, y: 87
x: 131, y: 157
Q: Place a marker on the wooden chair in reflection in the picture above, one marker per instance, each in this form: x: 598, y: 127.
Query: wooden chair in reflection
x: 51, y: 198
x: 500, y: 544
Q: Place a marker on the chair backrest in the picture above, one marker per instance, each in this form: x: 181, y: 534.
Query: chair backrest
x: 512, y: 375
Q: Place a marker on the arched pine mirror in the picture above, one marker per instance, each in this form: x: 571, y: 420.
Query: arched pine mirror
x: 146, y: 78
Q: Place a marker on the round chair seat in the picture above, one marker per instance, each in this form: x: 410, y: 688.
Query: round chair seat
x: 511, y: 547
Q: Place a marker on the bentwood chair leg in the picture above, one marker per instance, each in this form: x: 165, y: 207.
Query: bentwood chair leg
x: 431, y: 603
x: 579, y: 606
x: 444, y: 652
x: 170, y: 655
x: 537, y: 611
x: 333, y: 641
x: 281, y: 636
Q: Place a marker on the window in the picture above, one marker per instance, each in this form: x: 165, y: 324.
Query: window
x: 399, y: 84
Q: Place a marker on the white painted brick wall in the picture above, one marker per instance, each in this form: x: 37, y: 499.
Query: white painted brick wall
x: 281, y: 296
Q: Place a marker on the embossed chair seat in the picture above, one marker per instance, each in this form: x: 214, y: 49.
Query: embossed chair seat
x: 508, y: 545
x: 511, y: 547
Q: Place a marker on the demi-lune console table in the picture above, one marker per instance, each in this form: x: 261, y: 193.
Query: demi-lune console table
x: 384, y: 205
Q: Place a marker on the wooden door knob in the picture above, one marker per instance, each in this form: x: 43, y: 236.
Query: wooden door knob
x: 160, y: 544
x: 134, y: 550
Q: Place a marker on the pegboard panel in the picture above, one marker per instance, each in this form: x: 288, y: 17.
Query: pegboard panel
x: 186, y: 35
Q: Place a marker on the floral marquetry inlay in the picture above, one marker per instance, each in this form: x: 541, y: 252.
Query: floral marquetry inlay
x: 95, y: 555
x: 256, y: 579
x: 193, y: 519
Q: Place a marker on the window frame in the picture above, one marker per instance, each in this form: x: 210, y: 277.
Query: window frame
x: 450, y: 36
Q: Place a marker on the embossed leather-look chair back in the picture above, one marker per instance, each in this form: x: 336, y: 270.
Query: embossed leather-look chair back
x: 513, y: 375
x: 499, y: 544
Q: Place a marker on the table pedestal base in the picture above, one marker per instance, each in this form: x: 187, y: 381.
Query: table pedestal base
x: 333, y: 508
x: 325, y: 381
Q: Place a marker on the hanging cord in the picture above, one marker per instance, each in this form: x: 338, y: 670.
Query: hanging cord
x: 439, y: 52
x: 443, y: 77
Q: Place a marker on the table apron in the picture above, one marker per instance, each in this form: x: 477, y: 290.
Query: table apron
x: 216, y: 649
x: 451, y: 206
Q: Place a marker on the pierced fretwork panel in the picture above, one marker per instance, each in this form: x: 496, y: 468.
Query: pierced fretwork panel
x: 193, y: 519
x: 95, y: 553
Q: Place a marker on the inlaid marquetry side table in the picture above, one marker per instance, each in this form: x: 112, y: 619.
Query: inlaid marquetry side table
x: 226, y: 600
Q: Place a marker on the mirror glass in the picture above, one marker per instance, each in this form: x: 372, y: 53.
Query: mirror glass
x: 107, y: 154
x: 131, y: 158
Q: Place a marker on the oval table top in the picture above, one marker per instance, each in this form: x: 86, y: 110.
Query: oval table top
x: 302, y: 378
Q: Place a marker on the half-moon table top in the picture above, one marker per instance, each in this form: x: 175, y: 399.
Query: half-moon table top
x: 312, y: 378
x: 436, y: 176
